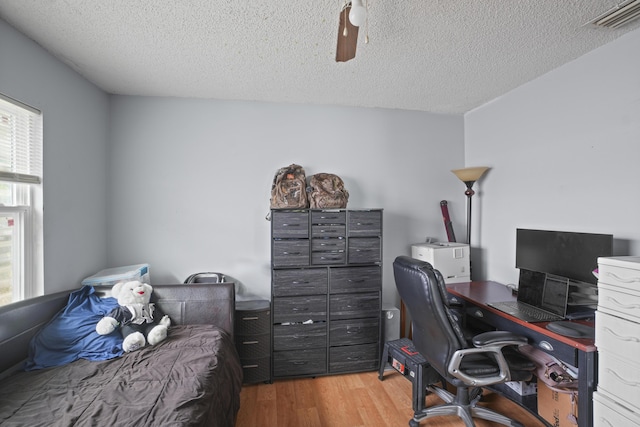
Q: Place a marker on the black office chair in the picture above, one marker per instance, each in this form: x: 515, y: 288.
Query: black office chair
x: 490, y: 358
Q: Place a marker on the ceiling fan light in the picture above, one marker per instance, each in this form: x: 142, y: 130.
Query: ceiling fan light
x: 358, y: 13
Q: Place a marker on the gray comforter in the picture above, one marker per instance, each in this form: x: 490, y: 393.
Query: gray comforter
x: 191, y: 379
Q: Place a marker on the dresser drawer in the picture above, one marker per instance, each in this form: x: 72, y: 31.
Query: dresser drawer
x: 256, y: 370
x: 328, y: 230
x: 607, y: 413
x: 300, y: 282
x: 289, y: 224
x: 355, y: 279
x: 299, y: 337
x: 365, y: 223
x: 364, y: 250
x: 351, y: 358
x: 357, y: 331
x: 329, y: 245
x: 328, y: 258
x: 299, y: 362
x: 300, y: 309
x: 617, y: 335
x: 252, y: 322
x: 328, y: 217
x: 353, y: 306
x: 253, y: 346
x: 286, y: 253
x: 620, y: 272
x: 620, y: 379
x: 619, y: 302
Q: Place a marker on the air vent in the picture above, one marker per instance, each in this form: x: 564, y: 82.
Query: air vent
x: 620, y: 15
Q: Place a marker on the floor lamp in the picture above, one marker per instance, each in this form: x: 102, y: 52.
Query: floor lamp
x: 469, y: 176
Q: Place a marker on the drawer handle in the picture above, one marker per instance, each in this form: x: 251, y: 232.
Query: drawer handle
x: 249, y: 366
x: 328, y: 231
x: 353, y: 330
x: 291, y: 253
x: 624, y: 306
x: 546, y: 345
x: 364, y: 223
x: 291, y: 225
x: 250, y: 342
x: 250, y: 318
x: 332, y: 258
x: 478, y: 313
x: 300, y: 337
x: 357, y: 280
x: 300, y: 308
x: 621, y: 337
x: 622, y: 380
x: 303, y: 282
x: 299, y: 362
x: 623, y: 280
x: 328, y: 244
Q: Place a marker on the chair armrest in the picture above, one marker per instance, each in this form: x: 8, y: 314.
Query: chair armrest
x: 502, y: 376
x: 488, y: 343
x: 501, y: 338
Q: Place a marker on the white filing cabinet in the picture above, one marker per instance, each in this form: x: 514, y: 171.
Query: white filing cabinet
x: 617, y: 400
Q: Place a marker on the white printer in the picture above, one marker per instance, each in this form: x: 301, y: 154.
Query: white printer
x: 450, y: 259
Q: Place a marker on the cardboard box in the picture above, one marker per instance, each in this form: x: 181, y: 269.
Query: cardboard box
x: 558, y: 409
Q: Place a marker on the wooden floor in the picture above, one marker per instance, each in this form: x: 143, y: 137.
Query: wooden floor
x: 351, y: 400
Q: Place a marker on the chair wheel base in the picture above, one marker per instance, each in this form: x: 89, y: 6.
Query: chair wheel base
x: 413, y: 423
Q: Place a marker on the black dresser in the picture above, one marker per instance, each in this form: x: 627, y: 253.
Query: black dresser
x: 326, y: 291
x: 253, y: 339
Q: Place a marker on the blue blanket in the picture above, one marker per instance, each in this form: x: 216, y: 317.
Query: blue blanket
x: 71, y: 334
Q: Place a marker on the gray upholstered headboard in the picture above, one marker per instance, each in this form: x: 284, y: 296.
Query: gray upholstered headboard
x: 204, y: 303
x: 193, y: 303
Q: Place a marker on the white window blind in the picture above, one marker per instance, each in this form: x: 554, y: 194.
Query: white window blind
x: 20, y: 142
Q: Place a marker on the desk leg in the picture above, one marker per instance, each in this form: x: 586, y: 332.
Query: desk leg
x: 587, y: 367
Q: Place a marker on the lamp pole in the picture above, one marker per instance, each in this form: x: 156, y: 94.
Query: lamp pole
x: 469, y: 193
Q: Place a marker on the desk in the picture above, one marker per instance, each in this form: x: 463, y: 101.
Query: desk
x: 581, y: 353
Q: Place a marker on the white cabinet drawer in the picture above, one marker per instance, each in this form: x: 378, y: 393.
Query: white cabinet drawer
x: 621, y: 272
x: 620, y: 379
x: 607, y: 413
x: 619, y: 302
x: 618, y: 336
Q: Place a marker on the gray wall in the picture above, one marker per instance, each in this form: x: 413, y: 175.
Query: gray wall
x: 190, y: 179
x: 75, y: 115
x: 564, y: 151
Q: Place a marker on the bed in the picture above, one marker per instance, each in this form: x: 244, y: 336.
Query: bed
x: 193, y: 378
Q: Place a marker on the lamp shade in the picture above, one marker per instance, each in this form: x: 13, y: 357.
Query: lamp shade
x: 470, y: 174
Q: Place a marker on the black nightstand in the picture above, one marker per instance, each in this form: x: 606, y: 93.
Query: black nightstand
x: 253, y: 339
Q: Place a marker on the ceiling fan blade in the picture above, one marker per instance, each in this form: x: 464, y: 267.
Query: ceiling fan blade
x: 346, y: 48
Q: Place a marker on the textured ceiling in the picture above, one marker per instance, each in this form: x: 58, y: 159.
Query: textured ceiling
x: 443, y: 56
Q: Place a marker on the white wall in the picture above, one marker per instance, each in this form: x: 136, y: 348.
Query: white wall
x: 564, y: 151
x: 75, y: 116
x: 190, y: 179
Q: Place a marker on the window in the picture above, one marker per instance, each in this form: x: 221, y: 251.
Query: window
x: 20, y: 201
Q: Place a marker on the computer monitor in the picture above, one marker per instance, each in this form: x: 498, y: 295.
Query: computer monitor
x: 562, y: 253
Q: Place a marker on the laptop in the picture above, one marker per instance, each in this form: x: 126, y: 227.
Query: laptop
x: 541, y: 298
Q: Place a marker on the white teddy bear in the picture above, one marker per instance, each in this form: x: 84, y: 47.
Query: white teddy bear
x: 139, y: 321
